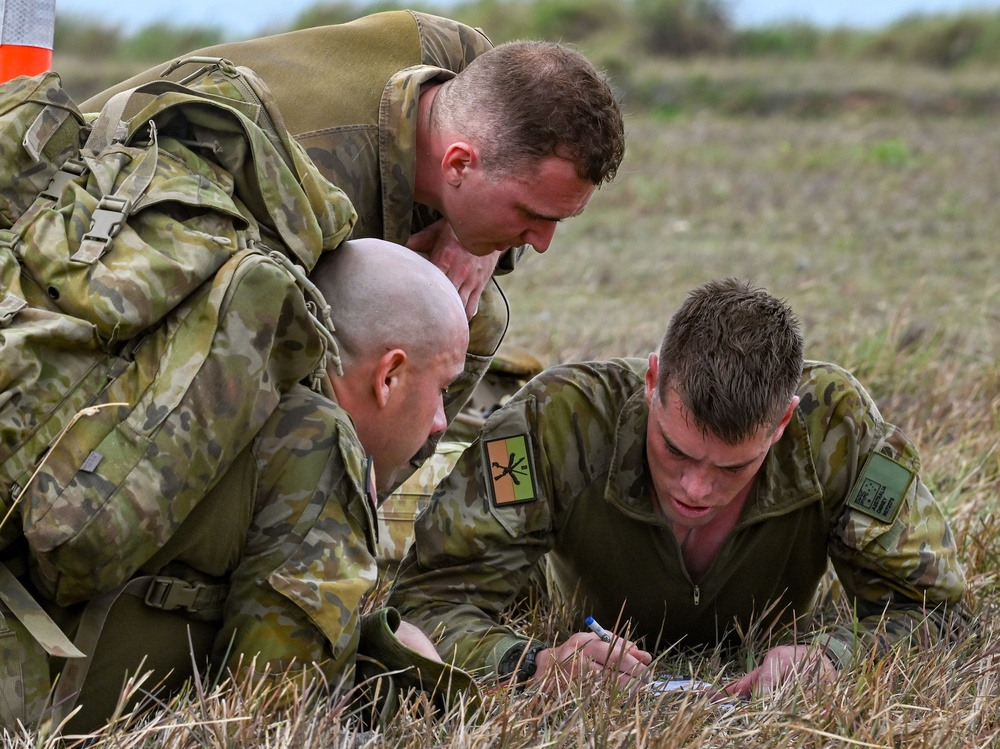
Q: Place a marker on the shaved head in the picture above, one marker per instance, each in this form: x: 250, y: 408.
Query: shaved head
x: 383, y: 295
x: 403, y: 339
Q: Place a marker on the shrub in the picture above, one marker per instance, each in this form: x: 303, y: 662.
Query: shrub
x: 939, y: 41
x: 791, y: 40
x: 161, y: 41
x: 80, y: 36
x: 682, y: 28
x: 573, y: 20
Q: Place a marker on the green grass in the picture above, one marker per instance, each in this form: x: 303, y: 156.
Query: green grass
x: 881, y: 228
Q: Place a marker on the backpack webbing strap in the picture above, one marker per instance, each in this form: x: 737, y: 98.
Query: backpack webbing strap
x: 321, y: 315
x: 203, y: 601
x: 112, y: 211
x: 33, y: 617
x: 109, y: 127
x: 43, y: 129
x: 70, y: 170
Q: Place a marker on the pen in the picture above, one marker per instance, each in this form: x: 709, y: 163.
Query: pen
x: 597, y: 629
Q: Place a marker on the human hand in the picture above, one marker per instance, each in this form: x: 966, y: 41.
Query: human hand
x: 585, y: 652
x: 415, y: 639
x: 470, y: 273
x: 780, y: 665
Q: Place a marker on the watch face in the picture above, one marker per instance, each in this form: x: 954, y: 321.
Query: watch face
x: 520, y: 660
x: 510, y: 661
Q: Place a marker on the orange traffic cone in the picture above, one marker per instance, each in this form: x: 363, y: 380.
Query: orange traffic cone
x: 26, y: 31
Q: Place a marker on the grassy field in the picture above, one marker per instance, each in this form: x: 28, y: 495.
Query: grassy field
x: 880, y: 226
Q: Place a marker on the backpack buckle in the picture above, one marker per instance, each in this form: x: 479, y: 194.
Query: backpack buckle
x: 107, y: 221
x: 171, y: 593
x: 68, y: 172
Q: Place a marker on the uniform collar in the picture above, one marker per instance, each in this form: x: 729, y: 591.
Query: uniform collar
x: 397, y: 146
x: 787, y: 480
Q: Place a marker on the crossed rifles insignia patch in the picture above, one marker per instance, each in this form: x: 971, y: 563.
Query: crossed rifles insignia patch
x: 508, y: 470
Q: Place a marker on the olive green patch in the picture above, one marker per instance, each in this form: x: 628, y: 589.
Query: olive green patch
x: 880, y: 489
x: 508, y: 466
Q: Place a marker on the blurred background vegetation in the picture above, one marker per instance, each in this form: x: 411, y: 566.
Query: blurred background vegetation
x: 632, y: 40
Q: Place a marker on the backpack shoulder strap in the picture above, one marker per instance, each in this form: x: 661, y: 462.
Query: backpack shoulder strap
x: 33, y: 617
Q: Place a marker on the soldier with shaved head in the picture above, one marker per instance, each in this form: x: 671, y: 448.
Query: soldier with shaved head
x: 269, y: 572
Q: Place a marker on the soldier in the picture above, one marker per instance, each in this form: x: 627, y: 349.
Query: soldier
x: 684, y: 499
x: 441, y: 142
x: 271, y: 569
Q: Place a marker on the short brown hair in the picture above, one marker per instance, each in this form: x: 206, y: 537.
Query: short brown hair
x: 733, y: 353
x: 527, y: 100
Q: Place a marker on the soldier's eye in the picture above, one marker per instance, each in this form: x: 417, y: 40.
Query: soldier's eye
x: 674, y: 451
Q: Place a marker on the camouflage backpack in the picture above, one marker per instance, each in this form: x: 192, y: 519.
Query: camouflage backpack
x: 154, y: 305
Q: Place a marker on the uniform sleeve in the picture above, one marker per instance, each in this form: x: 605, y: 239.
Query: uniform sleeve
x: 471, y: 556
x: 308, y: 564
x: 890, y: 542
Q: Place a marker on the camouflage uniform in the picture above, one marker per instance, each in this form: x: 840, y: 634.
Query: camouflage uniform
x: 348, y: 93
x: 292, y: 526
x: 575, y: 441
x: 283, y: 546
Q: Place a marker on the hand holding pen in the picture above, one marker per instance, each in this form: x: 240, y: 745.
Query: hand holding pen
x: 584, y: 653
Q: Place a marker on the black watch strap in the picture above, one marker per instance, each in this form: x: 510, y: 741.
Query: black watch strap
x: 523, y: 658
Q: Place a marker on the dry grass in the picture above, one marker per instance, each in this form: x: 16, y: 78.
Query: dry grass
x: 882, y: 232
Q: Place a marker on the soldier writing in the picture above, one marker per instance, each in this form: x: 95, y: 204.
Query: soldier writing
x: 685, y: 499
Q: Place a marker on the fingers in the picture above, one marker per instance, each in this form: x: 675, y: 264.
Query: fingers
x: 471, y: 299
x: 780, y: 665
x: 585, y: 652
x: 742, y: 687
x: 415, y: 639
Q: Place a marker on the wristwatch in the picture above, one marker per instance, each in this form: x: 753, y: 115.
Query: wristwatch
x: 521, y: 657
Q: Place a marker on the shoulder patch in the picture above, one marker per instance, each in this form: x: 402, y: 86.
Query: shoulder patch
x: 881, y: 487
x: 507, y: 463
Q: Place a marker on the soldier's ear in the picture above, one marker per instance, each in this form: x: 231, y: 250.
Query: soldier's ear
x: 652, y: 378
x: 387, y: 376
x: 459, y: 158
x: 780, y: 430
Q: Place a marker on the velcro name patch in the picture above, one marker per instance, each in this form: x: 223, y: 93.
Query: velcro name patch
x: 881, y: 487
x: 507, y: 464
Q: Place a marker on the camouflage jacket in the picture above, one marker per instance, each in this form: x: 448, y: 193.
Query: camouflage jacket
x: 561, y: 470
x: 292, y: 526
x: 348, y: 94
